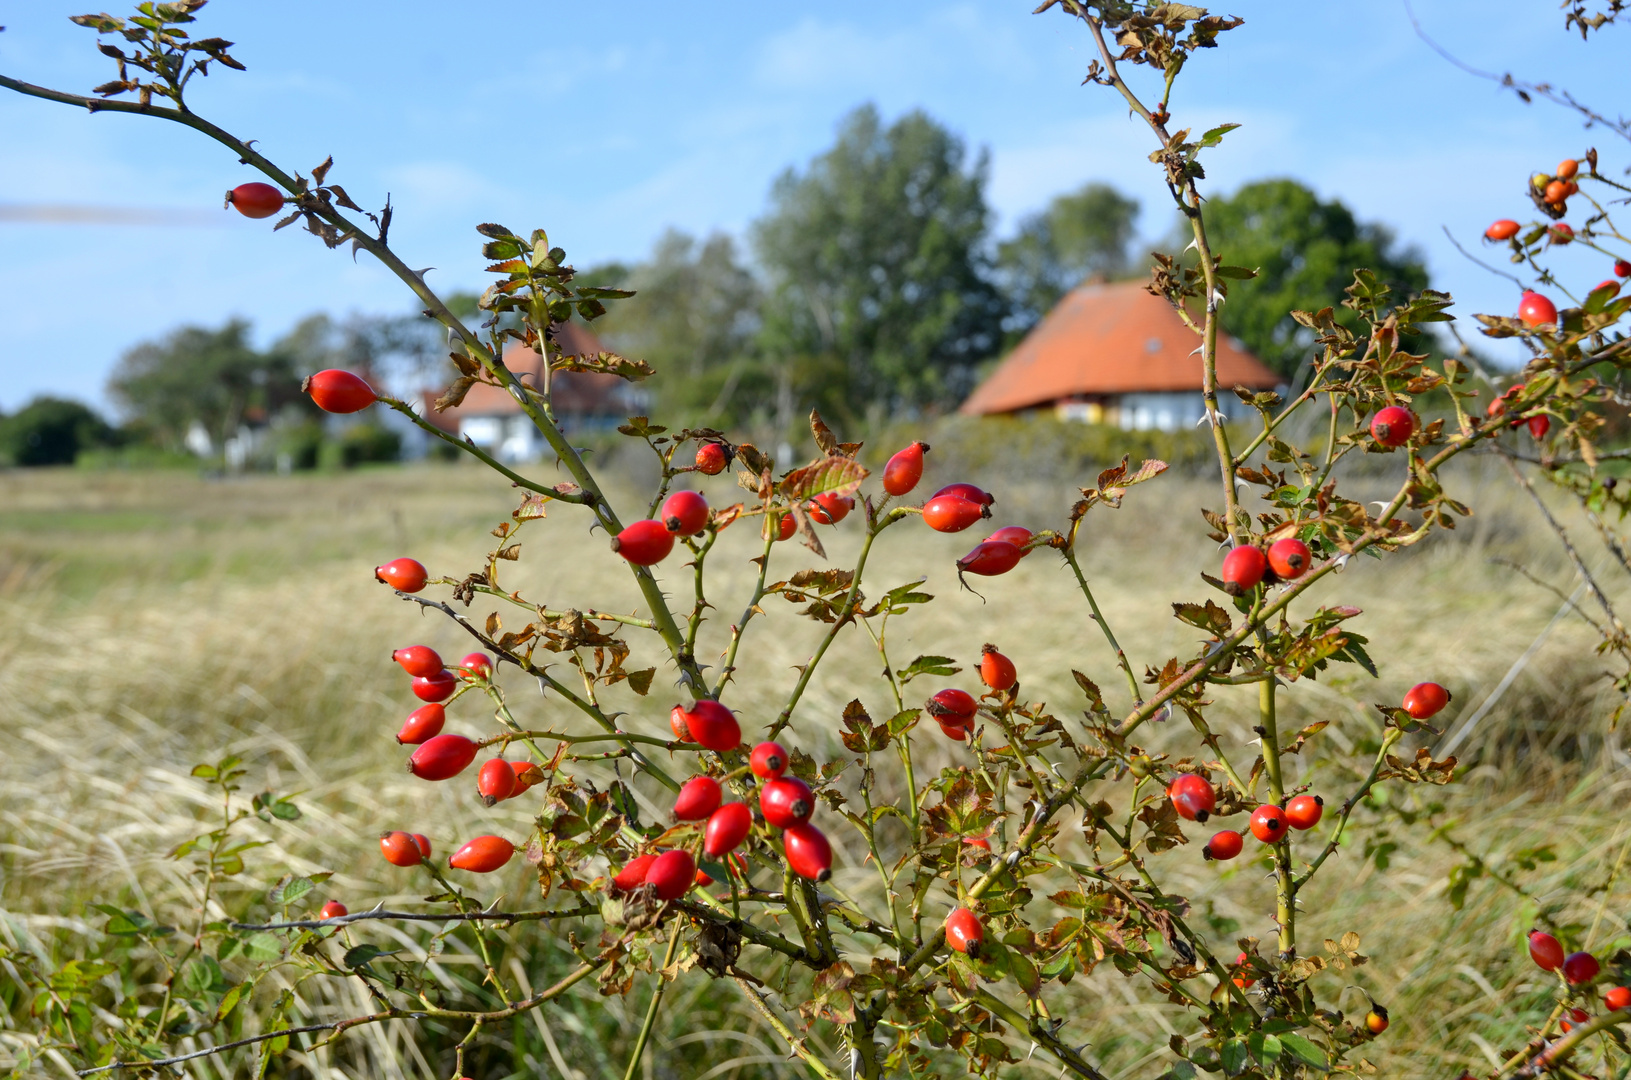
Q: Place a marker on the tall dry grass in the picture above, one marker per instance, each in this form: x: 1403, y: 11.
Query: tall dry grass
x: 149, y: 622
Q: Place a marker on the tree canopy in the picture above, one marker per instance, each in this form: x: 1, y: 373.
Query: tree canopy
x: 1082, y: 234
x: 51, y: 431
x: 879, y: 284
x: 1305, y: 251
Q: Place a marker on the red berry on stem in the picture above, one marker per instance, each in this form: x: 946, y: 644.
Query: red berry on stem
x: 1192, y: 796
x: 1545, y: 951
x: 726, y: 829
x: 1243, y: 568
x: 1304, y: 811
x: 964, y: 931
x: 400, y: 849
x: 672, y: 874
x: 990, y: 559
x: 786, y: 801
x: 1393, y: 425
x: 338, y: 391
x: 333, y: 910
x: 1289, y: 558
x: 404, y: 575
x: 952, y: 706
x: 1539, y: 426
x: 495, y: 781
x: 698, y: 797
x: 952, y: 513
x: 1017, y: 535
x: 1376, y: 1020
x: 423, y: 723
x: 1622, y: 268
x: 255, y: 199
x: 477, y: 665
x: 967, y: 491
x: 633, y: 875
x: 442, y: 758
x: 905, y: 469
x: 712, y: 459
x: 1580, y: 967
x: 954, y: 731
x: 808, y: 852
x: 1560, y: 234
x: 712, y: 725
x: 421, y: 660
x: 1617, y: 998
x: 1268, y: 823
x: 768, y: 760
x: 1224, y: 845
x: 1576, y: 1016
x: 1244, y: 979
x: 676, y: 722
x: 482, y: 855
x: 1504, y: 229
x: 644, y: 543
x: 829, y: 508
x: 422, y: 843
x: 437, y: 687
x: 1567, y: 169
x: 1425, y: 700
x: 1536, y: 310
x: 996, y: 670
x: 786, y: 527
x: 684, y: 513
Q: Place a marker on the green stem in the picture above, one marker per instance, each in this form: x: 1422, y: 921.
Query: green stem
x: 1104, y: 625
x: 1285, y: 892
x: 656, y: 1001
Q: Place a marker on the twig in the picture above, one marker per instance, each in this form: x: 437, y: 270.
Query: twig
x: 421, y: 916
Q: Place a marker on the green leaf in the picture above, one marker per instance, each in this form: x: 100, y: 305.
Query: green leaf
x: 928, y: 665
x: 1215, y: 135
x: 1265, y: 1048
x: 1305, y: 1051
x: 230, y: 999
x: 263, y: 948
x: 1237, y: 273
x: 904, y: 721
x: 290, y: 889
x: 1233, y: 1053
x: 358, y: 955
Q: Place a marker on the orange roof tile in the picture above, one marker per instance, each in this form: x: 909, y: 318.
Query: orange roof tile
x: 1109, y: 339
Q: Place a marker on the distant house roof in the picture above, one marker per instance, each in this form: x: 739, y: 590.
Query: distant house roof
x: 1109, y: 339
x: 576, y: 393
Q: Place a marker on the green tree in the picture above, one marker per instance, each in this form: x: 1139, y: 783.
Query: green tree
x: 51, y: 431
x: 693, y: 317
x: 1085, y: 233
x: 879, y: 283
x: 211, y: 377
x: 1305, y: 252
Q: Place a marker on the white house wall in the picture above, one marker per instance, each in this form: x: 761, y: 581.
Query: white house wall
x: 1171, y: 411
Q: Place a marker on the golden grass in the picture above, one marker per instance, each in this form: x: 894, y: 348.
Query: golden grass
x: 152, y: 621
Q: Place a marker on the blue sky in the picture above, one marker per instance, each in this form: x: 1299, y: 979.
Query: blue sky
x: 608, y: 123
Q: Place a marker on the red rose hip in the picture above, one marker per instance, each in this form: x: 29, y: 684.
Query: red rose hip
x: 1223, y: 846
x: 333, y: 910
x: 672, y: 874
x: 423, y: 723
x: 442, y: 758
x: 495, y: 781
x: 400, y: 849
x: 1545, y: 951
x: 1243, y: 568
x: 964, y: 931
x: 684, y: 513
x: 726, y: 829
x: 476, y: 665
x: 712, y: 459
x: 437, y: 687
x: 420, y: 660
x: 1504, y: 229
x: 711, y: 724
x: 403, y: 575
x: 1425, y: 700
x: 1536, y: 310
x: 1289, y: 558
x: 338, y: 391
x: 973, y: 494
x: 1580, y: 967
x: 829, y: 508
x: 698, y: 797
x: 990, y: 559
x: 905, y: 469
x: 1268, y: 823
x: 768, y: 760
x: 996, y: 670
x: 1017, y: 535
x: 952, y: 513
x: 482, y: 855
x: 1192, y: 796
x: 808, y: 852
x: 255, y: 199
x: 1304, y: 811
x: 633, y: 875
x: 786, y: 801
x: 1617, y: 998
x: 1393, y: 425
x: 644, y: 543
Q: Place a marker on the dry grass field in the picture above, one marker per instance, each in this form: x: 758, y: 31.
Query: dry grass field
x: 152, y: 621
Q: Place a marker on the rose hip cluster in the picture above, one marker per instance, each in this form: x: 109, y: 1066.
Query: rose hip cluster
x: 1577, y: 970
x: 1551, y: 192
x: 1194, y: 799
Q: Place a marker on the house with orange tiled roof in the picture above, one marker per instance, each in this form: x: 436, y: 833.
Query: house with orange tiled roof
x: 1116, y: 354
x: 583, y: 400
